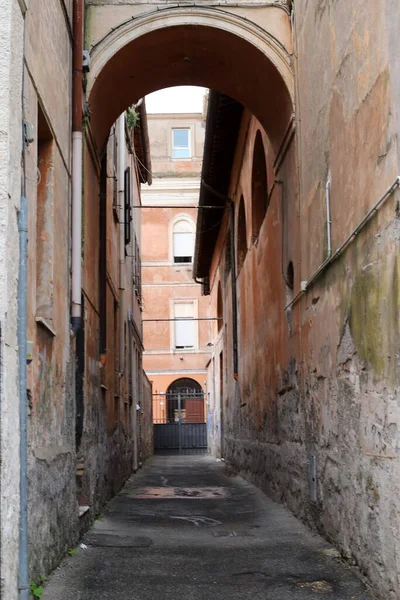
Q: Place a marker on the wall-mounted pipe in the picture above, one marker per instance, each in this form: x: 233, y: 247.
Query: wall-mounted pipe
x: 134, y: 376
x: 328, y: 216
x: 77, y: 105
x: 23, y: 554
x: 121, y: 195
x: 23, y: 572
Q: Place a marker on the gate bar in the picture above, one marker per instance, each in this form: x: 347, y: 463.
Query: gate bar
x: 179, y: 424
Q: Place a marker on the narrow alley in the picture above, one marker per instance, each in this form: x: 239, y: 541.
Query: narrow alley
x: 199, y: 252
x: 186, y: 527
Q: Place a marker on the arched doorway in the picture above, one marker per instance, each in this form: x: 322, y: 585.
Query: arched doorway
x: 185, y: 395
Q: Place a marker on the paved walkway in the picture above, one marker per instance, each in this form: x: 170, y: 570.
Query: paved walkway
x: 182, y: 529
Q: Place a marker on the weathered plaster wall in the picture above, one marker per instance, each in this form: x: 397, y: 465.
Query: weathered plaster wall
x: 321, y: 382
x: 53, y: 513
x: 350, y: 330
x: 11, y: 49
x: 105, y: 452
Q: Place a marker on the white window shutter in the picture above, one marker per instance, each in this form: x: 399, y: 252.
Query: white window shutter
x: 184, y: 330
x: 183, y: 239
x: 183, y: 244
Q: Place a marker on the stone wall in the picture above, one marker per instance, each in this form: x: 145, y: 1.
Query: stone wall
x: 313, y: 417
x: 349, y: 374
x: 11, y: 48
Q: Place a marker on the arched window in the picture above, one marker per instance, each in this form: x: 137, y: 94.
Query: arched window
x: 185, y: 386
x: 183, y: 241
x: 259, y: 185
x: 220, y: 308
x: 241, y: 236
x: 290, y: 275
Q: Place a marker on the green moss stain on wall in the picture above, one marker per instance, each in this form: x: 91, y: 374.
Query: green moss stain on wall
x: 393, y: 323
x: 374, y: 320
x: 365, y: 320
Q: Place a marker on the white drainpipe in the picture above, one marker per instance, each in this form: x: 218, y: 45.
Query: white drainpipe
x: 328, y: 215
x: 121, y: 188
x: 76, y: 228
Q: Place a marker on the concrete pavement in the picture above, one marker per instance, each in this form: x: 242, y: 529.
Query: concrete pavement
x: 182, y: 528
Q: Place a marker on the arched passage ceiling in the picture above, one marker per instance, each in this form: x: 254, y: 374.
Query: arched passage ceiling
x: 187, y: 55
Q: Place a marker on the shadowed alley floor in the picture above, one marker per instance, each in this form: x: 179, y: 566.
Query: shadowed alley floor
x: 183, y: 528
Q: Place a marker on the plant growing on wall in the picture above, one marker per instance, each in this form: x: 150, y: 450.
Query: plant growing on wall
x: 132, y: 117
x: 36, y: 588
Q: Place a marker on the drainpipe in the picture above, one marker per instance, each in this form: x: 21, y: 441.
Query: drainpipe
x: 23, y: 568
x: 77, y: 101
x: 23, y: 575
x: 121, y: 188
x: 23, y: 558
x: 134, y: 376
x: 328, y: 215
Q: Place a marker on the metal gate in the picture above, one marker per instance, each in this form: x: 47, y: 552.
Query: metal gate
x: 180, y: 422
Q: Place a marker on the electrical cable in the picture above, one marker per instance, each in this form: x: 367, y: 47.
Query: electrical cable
x: 144, y: 167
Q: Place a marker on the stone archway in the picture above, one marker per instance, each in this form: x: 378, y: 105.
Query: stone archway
x: 202, y: 46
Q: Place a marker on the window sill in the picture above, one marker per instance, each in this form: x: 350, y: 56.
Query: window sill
x: 83, y: 510
x: 46, y: 325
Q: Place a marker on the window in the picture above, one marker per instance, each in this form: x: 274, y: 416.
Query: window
x: 259, y: 186
x: 183, y: 242
x: 127, y: 205
x: 184, y: 326
x: 181, y: 143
